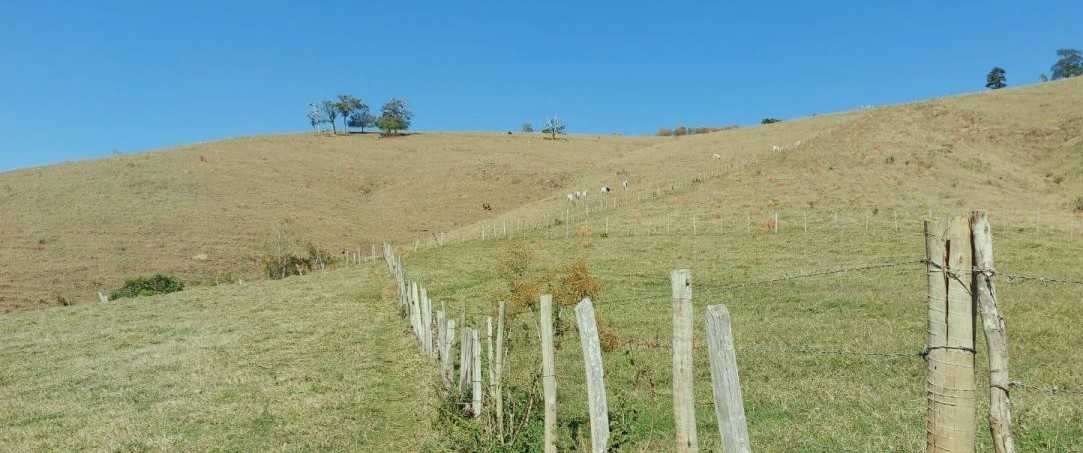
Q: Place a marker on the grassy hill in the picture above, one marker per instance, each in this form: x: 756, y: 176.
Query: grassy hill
x: 203, y: 211
x: 850, y: 189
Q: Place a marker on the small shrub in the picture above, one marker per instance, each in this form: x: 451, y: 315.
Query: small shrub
x: 889, y: 160
x: 664, y: 132
x: 679, y: 131
x: 575, y: 284
x: 770, y: 121
x: 1077, y: 205
x: 142, y: 286
x: 283, y: 255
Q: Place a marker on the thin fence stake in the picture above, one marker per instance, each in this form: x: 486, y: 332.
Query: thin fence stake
x: 595, y: 376
x: 498, y: 398
x: 549, y: 382
x: 684, y: 410
x: 729, y: 407
x: 996, y: 339
x: 476, y: 373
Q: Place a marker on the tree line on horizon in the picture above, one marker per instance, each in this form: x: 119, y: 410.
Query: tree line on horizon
x: 395, y: 115
x: 1069, y: 64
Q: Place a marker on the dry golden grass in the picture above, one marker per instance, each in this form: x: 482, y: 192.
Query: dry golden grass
x: 202, y: 210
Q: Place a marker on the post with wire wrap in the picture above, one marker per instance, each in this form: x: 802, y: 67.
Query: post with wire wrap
x: 950, y: 421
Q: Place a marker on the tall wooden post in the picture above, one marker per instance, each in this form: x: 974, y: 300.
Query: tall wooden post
x: 996, y: 339
x: 684, y: 410
x: 498, y: 397
x: 950, y: 389
x: 595, y: 375
x: 549, y: 383
x: 729, y: 407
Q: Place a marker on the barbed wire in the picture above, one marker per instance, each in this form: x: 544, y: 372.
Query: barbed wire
x: 1050, y: 390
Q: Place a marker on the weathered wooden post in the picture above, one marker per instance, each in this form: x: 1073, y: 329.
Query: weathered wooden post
x: 466, y: 343
x: 729, y: 407
x: 996, y: 339
x: 449, y: 363
x: 475, y: 374
x: 684, y: 409
x: 498, y: 398
x: 595, y: 375
x: 950, y: 389
x: 549, y: 383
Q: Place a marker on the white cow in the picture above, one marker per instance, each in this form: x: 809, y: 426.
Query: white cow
x: 624, y: 184
x: 605, y: 188
x: 716, y: 156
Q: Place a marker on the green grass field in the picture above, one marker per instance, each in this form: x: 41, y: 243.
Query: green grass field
x: 795, y: 400
x: 313, y: 363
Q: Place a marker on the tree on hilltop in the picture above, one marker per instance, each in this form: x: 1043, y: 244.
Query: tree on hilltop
x: 996, y: 78
x: 1070, y: 64
x: 361, y: 118
x: 346, y: 106
x: 315, y: 117
x: 330, y: 113
x: 555, y: 126
x: 395, y: 116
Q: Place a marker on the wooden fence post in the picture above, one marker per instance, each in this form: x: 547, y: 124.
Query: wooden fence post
x: 415, y: 310
x: 498, y: 398
x: 985, y: 296
x: 950, y: 389
x: 549, y: 382
x: 476, y: 372
x: 729, y: 407
x: 684, y: 409
x: 441, y: 337
x: 595, y: 374
x: 465, y: 358
x: 426, y: 322
x: 449, y: 364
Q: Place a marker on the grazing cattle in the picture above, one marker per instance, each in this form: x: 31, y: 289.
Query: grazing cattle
x: 572, y: 196
x: 486, y: 207
x: 716, y: 156
x: 624, y: 184
x: 605, y: 189
x: 776, y: 148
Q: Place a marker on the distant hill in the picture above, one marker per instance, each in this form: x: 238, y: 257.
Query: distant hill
x: 203, y: 211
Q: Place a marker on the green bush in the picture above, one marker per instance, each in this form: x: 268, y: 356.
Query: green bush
x: 142, y: 286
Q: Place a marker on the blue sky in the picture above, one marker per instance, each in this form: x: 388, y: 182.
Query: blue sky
x: 82, y: 80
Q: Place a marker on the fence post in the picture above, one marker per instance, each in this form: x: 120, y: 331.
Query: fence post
x: 426, y: 322
x: 729, y: 407
x: 415, y: 310
x: 549, y: 382
x: 985, y: 296
x: 592, y: 362
x: 476, y: 372
x: 449, y: 363
x: 441, y: 337
x: 684, y: 410
x: 498, y: 398
x: 465, y: 359
x: 950, y: 389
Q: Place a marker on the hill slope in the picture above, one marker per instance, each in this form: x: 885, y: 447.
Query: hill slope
x: 204, y: 210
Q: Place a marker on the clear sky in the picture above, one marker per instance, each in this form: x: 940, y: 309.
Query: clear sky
x: 82, y: 79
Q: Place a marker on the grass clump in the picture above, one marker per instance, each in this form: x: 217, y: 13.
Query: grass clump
x: 284, y: 255
x: 143, y: 286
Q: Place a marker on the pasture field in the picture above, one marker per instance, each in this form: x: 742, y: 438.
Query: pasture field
x: 828, y: 363
x: 313, y: 363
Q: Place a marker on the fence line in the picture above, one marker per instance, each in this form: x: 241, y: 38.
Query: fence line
x: 950, y: 388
